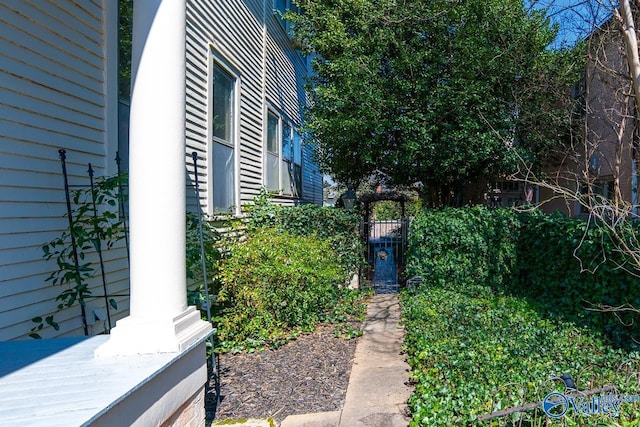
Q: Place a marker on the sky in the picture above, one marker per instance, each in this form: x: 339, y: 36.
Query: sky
x: 576, y: 18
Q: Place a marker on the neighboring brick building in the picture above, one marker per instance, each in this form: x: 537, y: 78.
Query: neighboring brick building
x: 605, y: 113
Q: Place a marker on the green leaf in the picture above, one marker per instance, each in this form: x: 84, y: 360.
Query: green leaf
x: 49, y: 321
x: 87, y: 230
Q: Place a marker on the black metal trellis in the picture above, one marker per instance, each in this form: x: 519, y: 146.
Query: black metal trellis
x: 214, y: 364
x: 63, y: 157
x: 98, y: 244
x: 96, y: 241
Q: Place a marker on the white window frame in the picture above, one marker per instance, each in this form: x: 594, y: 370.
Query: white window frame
x: 283, y: 173
x: 216, y: 61
x: 277, y: 155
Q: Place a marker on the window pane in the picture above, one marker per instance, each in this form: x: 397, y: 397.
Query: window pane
x: 222, y: 104
x: 223, y: 171
x: 297, y: 150
x: 296, y: 181
x: 610, y: 189
x: 273, y: 175
x: 286, y: 141
x: 286, y: 177
x: 272, y: 134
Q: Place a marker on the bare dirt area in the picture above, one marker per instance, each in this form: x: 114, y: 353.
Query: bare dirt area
x: 309, y: 374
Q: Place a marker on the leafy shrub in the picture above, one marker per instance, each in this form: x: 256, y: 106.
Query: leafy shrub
x: 337, y: 226
x: 276, y: 284
x: 387, y: 210
x: 211, y: 240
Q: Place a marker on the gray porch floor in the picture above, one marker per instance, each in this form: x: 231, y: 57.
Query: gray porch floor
x: 58, y: 382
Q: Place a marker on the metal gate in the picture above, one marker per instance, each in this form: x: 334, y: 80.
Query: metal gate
x: 385, y: 244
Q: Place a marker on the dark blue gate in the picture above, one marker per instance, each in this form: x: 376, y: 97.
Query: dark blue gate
x: 385, y: 244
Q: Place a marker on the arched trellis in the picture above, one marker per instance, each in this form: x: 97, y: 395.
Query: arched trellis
x: 383, y: 196
x: 385, y: 242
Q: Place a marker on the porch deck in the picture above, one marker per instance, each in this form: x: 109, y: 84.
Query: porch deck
x: 59, y: 382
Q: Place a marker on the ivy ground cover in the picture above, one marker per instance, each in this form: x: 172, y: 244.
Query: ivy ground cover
x: 474, y: 354
x: 506, y: 307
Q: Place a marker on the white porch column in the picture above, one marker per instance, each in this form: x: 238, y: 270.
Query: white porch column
x: 160, y: 320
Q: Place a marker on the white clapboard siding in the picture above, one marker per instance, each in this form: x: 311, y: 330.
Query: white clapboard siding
x: 54, y: 86
x: 286, y: 73
x: 232, y: 31
x: 311, y: 176
x: 248, y: 37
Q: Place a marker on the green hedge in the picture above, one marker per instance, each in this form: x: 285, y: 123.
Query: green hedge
x: 564, y: 265
x: 571, y: 265
x: 467, y: 248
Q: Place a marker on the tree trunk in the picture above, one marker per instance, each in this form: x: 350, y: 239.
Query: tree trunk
x: 630, y: 38
x: 631, y: 45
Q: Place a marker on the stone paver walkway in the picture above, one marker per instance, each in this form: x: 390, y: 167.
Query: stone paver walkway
x: 378, y: 390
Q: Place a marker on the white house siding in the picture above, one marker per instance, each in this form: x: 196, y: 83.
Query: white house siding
x: 311, y: 176
x: 285, y: 71
x: 53, y: 77
x: 285, y: 75
x: 249, y: 39
x: 231, y: 31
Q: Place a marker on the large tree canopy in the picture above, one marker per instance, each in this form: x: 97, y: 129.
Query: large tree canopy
x: 430, y: 91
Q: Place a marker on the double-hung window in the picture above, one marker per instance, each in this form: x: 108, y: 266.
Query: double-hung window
x: 273, y: 153
x: 223, y: 140
x: 283, y: 162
